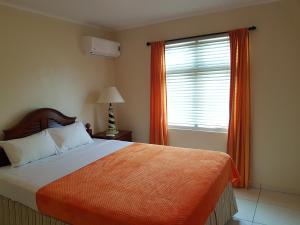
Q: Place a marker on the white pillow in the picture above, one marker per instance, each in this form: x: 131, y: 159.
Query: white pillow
x: 29, y: 149
x: 70, y: 136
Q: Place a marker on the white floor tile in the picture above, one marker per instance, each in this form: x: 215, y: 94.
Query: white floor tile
x: 280, y: 199
x: 276, y: 215
x: 250, y: 194
x: 236, y: 221
x: 246, y: 209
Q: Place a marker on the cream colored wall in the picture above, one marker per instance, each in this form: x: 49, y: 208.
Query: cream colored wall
x: 275, y: 57
x: 41, y: 65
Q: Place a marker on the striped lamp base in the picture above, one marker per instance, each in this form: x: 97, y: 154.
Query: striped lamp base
x: 111, y: 130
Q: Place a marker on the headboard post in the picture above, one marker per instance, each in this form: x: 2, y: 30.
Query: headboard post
x: 89, y: 129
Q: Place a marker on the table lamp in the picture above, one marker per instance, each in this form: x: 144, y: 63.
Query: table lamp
x: 110, y: 95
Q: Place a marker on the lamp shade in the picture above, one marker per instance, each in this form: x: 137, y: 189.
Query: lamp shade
x: 110, y: 95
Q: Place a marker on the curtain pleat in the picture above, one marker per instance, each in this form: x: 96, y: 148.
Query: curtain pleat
x: 238, y: 143
x: 158, y: 95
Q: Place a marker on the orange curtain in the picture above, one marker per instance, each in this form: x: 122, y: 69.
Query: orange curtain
x: 238, y: 143
x: 158, y: 98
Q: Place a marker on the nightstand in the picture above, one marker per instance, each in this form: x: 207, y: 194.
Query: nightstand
x: 123, y: 135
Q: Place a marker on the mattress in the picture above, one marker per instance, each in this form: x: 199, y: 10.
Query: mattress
x: 20, y: 184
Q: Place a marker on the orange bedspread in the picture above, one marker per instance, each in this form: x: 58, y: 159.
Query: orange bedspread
x: 141, y: 184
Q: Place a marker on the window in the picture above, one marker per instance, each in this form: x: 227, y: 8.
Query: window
x: 198, y: 79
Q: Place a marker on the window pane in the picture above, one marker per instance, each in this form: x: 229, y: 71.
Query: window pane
x: 198, y: 78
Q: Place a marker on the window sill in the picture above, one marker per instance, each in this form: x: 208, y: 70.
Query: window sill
x: 199, y: 129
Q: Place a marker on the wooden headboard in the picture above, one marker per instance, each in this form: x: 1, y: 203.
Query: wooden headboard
x: 37, y: 121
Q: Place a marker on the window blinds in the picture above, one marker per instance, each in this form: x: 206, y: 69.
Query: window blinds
x: 198, y: 79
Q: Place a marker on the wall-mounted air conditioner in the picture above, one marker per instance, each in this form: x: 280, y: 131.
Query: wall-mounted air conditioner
x: 101, y: 47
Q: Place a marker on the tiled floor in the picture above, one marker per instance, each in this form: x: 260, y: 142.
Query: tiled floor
x: 261, y: 207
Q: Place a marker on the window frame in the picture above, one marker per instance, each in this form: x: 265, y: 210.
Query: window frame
x: 200, y: 128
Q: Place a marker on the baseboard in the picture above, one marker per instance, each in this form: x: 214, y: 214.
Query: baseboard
x: 272, y: 188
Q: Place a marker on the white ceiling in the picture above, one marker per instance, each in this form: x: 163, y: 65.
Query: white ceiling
x: 123, y: 14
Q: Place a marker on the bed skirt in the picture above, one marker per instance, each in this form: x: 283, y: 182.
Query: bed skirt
x: 14, y: 213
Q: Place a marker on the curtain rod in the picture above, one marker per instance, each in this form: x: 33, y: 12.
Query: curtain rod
x: 198, y: 36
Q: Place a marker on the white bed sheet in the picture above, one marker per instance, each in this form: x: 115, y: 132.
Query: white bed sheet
x: 21, y: 183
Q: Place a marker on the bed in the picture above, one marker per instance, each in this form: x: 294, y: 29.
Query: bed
x: 31, y: 194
